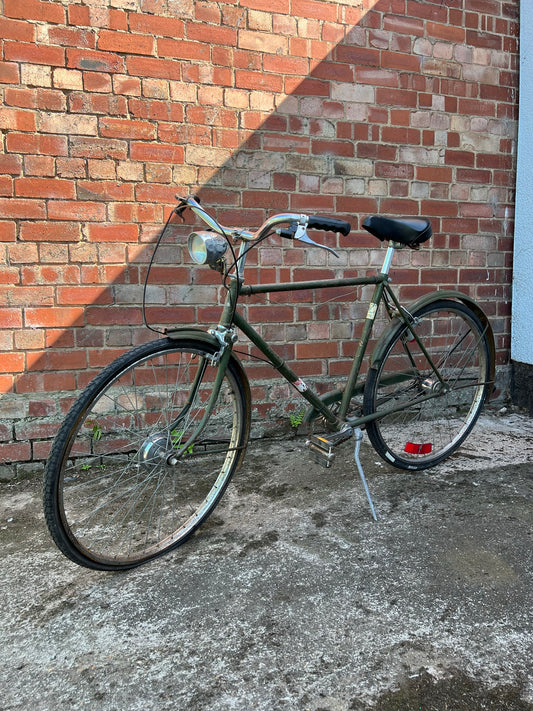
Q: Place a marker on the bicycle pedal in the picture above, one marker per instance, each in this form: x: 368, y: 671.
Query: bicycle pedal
x: 321, y: 456
x: 321, y: 446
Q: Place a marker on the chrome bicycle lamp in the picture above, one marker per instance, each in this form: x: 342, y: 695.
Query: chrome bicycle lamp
x: 206, y: 248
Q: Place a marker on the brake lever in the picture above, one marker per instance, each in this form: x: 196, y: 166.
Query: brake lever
x: 302, y: 236
x: 183, y: 205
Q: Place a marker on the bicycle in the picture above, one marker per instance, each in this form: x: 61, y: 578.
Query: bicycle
x: 148, y: 449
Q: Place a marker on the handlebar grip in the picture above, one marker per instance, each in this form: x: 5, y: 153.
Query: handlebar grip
x: 329, y: 224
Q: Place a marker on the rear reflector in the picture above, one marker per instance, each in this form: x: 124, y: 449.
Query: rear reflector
x: 412, y: 448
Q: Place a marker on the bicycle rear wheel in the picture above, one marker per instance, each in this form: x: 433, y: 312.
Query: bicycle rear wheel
x: 122, y: 483
x: 434, y: 412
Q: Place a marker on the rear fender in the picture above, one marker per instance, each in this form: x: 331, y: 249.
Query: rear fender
x: 396, y: 323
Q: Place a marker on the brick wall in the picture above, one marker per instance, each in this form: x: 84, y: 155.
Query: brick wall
x: 351, y: 107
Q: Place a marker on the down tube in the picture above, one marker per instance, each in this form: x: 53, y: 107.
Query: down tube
x: 280, y: 365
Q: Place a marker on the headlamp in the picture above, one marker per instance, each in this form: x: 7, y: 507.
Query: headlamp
x: 206, y: 247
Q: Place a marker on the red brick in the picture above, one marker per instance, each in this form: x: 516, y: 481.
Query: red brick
x: 436, y: 207
x: 484, y: 39
x: 317, y: 350
x: 480, y: 177
x: 51, y: 12
x: 104, y: 190
x: 157, y: 153
x: 396, y: 97
x: 83, y: 295
x: 94, y: 61
x: 307, y: 87
x: 286, y: 65
x: 426, y: 11
x: 9, y: 73
x: 334, y: 71
x: 377, y: 151
x: 15, y: 119
x: 72, y: 37
x: 400, y: 61
x: 83, y: 210
x: 55, y: 317
x: 317, y: 10
x: 258, y: 81
x: 112, y: 316
x: 183, y: 49
x: 332, y: 148
x: 277, y: 142
x: 399, y: 24
x: 8, y: 231
x: 34, y: 53
x: 215, y: 35
x: 50, y: 232
x: 156, y: 26
x: 97, y: 104
x: 154, y: 67
x: 395, y: 170
x: 122, y: 123
x: 44, y: 188
x: 470, y: 107
x: 10, y: 318
x: 449, y: 33
x: 17, y: 30
x: 38, y: 144
x: 125, y: 42
x: 278, y: 6
x: 113, y: 233
x: 357, y: 55
x: 15, y: 452
x: 126, y: 128
x: 22, y: 209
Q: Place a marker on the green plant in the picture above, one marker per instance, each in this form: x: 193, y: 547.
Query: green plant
x: 175, y: 437
x: 296, y: 418
x: 96, y: 430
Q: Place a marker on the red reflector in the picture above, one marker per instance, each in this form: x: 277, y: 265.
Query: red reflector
x: 412, y: 448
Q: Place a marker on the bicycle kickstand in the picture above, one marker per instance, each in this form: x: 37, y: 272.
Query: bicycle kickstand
x: 358, y: 434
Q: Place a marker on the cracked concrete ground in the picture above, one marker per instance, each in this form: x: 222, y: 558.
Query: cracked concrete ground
x: 291, y: 596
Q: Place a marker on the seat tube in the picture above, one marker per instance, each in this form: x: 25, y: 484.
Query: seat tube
x: 362, y: 346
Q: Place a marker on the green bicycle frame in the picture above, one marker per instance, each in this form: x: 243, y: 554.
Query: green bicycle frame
x: 231, y: 317
x: 380, y: 281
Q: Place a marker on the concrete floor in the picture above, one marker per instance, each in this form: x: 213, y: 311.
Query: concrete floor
x: 291, y: 596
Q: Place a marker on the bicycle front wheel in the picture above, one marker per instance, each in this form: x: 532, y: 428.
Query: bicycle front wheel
x: 434, y: 397
x: 124, y: 482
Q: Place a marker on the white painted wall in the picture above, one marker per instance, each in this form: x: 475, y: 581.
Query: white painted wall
x: 522, y: 313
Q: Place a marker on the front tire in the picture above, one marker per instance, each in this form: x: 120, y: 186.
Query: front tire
x: 121, y: 485
x: 437, y: 414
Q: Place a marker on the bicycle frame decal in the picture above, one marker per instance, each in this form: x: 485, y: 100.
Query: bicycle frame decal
x: 300, y: 385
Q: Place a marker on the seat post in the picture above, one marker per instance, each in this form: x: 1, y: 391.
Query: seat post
x: 388, y: 257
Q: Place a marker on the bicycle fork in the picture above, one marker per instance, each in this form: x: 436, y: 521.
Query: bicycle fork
x: 221, y: 360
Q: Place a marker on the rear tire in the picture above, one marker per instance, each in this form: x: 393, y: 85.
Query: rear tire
x: 113, y: 498
x: 425, y: 432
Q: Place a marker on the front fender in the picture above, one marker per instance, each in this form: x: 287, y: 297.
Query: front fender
x: 205, y: 337
x: 193, y: 332
x: 396, y: 323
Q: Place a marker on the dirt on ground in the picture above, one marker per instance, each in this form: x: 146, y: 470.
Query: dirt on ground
x: 291, y: 597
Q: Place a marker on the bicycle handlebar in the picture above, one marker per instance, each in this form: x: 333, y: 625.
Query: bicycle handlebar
x: 328, y: 224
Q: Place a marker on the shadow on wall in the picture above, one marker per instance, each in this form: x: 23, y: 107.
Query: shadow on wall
x: 388, y: 115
